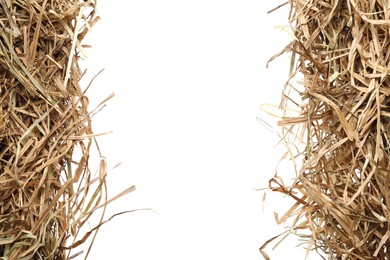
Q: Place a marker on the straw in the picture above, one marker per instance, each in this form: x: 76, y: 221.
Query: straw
x: 47, y: 191
x: 342, y: 185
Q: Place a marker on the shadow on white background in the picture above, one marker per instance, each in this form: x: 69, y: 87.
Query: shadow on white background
x: 189, y: 78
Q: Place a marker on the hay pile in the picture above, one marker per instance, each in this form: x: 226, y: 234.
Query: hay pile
x: 46, y: 189
x: 342, y: 186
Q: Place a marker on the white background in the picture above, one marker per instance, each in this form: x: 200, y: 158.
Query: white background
x: 189, y: 79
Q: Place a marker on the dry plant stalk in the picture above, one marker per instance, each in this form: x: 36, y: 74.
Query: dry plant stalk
x: 46, y: 188
x: 342, y: 184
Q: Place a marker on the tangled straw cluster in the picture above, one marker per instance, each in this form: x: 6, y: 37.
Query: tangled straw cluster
x: 46, y: 189
x: 342, y: 188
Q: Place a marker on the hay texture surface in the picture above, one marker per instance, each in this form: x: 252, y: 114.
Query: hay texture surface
x: 46, y: 188
x: 341, y: 188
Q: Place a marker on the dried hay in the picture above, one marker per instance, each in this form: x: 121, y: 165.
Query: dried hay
x: 46, y: 188
x: 342, y: 185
